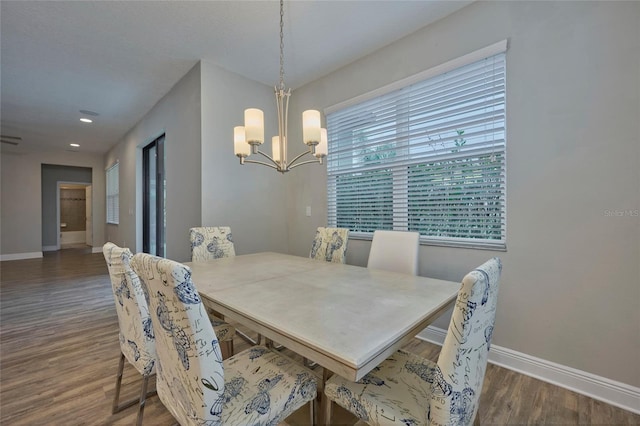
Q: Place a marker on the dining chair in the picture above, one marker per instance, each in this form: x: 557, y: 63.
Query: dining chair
x: 395, y: 251
x: 211, y: 242
x: 409, y: 390
x: 254, y: 387
x: 137, y: 343
x: 215, y: 242
x: 330, y: 244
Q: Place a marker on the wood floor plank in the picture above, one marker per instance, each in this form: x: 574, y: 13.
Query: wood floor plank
x: 59, y: 355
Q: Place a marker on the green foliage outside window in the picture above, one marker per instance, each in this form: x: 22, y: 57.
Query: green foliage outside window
x: 466, y: 192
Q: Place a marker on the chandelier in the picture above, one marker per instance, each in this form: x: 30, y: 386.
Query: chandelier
x: 248, y: 138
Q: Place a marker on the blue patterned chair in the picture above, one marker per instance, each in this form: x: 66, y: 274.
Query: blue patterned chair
x: 409, y: 390
x: 215, y: 242
x: 330, y: 245
x: 254, y: 387
x: 211, y: 242
x: 137, y: 343
x: 395, y: 251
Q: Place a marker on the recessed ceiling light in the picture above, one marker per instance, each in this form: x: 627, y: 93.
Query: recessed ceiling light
x: 86, y: 120
x: 74, y: 145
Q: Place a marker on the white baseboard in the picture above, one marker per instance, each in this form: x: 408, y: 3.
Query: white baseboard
x: 50, y: 248
x: 19, y: 256
x: 610, y: 391
x: 96, y: 249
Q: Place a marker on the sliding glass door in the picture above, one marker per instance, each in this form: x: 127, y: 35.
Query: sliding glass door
x: 153, y: 200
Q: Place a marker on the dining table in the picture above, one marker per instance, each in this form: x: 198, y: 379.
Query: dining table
x: 346, y: 318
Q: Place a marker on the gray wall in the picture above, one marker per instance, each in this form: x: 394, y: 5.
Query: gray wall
x: 21, y: 203
x: 51, y: 175
x: 570, y: 291
x: 177, y: 115
x: 249, y: 198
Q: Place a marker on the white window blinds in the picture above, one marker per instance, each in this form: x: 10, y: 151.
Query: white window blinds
x: 427, y: 157
x: 113, y: 194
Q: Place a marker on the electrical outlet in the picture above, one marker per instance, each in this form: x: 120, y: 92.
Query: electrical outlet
x: 308, y: 211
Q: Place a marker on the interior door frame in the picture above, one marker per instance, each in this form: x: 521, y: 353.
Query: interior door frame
x: 88, y: 220
x: 58, y: 185
x: 158, y: 142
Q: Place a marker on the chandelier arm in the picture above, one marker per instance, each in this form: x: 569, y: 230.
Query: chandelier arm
x: 298, y: 157
x: 262, y: 163
x: 275, y: 163
x: 316, y: 161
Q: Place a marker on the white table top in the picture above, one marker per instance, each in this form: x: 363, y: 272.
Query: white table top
x: 346, y: 318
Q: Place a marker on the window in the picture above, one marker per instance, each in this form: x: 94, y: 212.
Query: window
x: 425, y: 154
x: 113, y: 195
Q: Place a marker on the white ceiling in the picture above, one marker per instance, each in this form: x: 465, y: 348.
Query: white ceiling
x: 118, y: 58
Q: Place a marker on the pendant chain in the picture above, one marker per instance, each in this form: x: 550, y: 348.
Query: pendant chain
x: 282, y: 45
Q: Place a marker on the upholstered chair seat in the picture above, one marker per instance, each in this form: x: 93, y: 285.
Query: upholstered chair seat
x: 254, y: 387
x: 409, y: 390
x: 282, y: 387
x: 379, y: 396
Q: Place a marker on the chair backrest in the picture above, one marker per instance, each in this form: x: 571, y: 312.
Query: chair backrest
x: 190, y: 377
x: 211, y: 242
x: 136, y: 332
x: 463, y: 358
x: 395, y: 251
x: 330, y: 244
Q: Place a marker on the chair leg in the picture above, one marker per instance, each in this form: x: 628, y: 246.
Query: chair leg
x: 143, y: 400
x: 326, y: 407
x: 230, y: 347
x: 115, y: 408
x: 328, y: 414
x: 312, y: 412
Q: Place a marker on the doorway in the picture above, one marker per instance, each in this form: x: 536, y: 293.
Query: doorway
x: 55, y: 178
x: 153, y: 198
x: 74, y: 215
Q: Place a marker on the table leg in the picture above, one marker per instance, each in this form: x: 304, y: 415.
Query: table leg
x: 324, y: 413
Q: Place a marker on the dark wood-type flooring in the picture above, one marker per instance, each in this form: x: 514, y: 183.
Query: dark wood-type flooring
x: 59, y: 355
